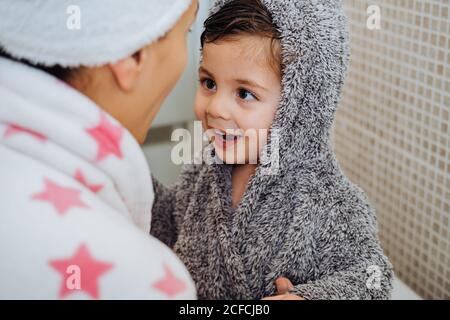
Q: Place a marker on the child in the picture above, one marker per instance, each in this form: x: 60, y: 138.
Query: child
x: 273, y: 64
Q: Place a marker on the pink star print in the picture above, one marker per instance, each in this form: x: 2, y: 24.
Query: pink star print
x: 108, y: 137
x: 79, y: 176
x: 90, y: 270
x: 170, y: 284
x: 62, y: 198
x: 13, y: 129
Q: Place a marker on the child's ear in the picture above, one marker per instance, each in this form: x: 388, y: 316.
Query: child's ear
x: 128, y: 70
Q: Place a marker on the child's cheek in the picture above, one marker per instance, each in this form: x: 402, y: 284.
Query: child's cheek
x: 199, y: 108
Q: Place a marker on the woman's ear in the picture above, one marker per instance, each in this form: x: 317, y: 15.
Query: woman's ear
x: 127, y: 71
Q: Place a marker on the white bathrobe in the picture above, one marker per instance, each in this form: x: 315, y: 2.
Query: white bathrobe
x: 75, y: 200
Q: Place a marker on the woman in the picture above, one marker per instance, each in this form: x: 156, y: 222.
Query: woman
x: 76, y: 192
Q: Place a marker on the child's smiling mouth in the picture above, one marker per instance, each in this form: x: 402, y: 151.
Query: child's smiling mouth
x: 225, y: 138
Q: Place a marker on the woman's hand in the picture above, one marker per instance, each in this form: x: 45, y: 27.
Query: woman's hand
x: 283, y: 287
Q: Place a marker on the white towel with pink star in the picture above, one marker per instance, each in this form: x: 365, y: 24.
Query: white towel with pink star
x: 75, y: 200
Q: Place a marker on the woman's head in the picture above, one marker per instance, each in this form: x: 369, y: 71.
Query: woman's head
x: 134, y: 88
x: 130, y: 88
x: 240, y: 79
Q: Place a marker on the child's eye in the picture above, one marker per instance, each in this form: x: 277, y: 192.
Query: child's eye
x: 208, y: 84
x: 246, y: 95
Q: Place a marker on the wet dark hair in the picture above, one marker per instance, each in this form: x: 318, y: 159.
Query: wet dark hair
x: 243, y: 17
x: 57, y: 71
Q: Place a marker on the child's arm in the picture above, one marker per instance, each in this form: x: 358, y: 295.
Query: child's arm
x: 350, y: 263
x: 163, y: 221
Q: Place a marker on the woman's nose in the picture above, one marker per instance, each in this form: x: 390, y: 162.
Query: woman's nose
x: 218, y: 107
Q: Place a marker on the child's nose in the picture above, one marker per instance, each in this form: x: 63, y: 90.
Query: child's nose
x: 218, y: 107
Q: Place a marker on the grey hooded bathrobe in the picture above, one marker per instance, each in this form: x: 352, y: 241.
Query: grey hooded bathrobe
x: 308, y: 222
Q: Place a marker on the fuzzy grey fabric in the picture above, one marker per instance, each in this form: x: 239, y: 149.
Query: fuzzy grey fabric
x: 308, y: 223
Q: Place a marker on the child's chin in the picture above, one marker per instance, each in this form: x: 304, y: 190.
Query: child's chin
x: 230, y: 157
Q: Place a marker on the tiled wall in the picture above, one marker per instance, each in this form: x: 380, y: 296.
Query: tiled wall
x: 392, y: 133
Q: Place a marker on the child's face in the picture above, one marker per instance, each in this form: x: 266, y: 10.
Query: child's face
x: 239, y: 90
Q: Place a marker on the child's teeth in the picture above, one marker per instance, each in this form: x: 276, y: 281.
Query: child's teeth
x: 225, y: 136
